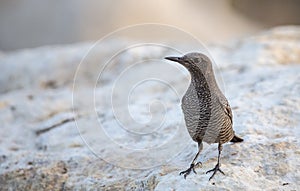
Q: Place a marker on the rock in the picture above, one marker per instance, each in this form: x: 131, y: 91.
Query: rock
x: 120, y: 126
x: 52, y: 177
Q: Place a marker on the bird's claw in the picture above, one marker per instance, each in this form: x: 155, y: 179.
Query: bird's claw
x: 214, y: 170
x: 188, y: 171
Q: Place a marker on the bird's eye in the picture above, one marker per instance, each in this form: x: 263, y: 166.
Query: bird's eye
x: 195, y: 60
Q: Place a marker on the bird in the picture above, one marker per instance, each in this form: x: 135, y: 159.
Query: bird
x: 207, y: 113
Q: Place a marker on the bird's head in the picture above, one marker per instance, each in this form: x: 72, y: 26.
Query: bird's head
x: 192, y: 61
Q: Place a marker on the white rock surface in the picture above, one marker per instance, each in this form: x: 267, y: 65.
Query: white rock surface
x: 141, y: 143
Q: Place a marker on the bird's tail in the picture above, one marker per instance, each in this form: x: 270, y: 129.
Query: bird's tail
x: 236, y: 139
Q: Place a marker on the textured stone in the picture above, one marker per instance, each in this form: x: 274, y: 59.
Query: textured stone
x: 40, y: 144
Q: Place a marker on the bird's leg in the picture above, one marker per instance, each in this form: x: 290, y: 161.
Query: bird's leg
x: 193, y: 165
x: 191, y: 168
x: 217, y: 167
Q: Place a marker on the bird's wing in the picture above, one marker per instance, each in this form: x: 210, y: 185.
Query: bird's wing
x: 226, y: 107
x: 228, y: 111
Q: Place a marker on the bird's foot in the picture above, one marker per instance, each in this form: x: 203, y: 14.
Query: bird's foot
x: 214, y: 170
x: 188, y: 171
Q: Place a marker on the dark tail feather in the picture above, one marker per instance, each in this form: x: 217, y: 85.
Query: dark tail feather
x: 236, y: 139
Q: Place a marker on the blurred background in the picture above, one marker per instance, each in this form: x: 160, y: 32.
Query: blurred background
x: 33, y: 23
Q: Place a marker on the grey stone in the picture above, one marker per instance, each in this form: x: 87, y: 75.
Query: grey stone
x: 40, y: 144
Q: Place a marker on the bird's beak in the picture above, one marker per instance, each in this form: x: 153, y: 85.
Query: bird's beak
x: 175, y: 59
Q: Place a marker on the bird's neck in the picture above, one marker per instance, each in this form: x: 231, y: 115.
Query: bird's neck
x: 200, y: 77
